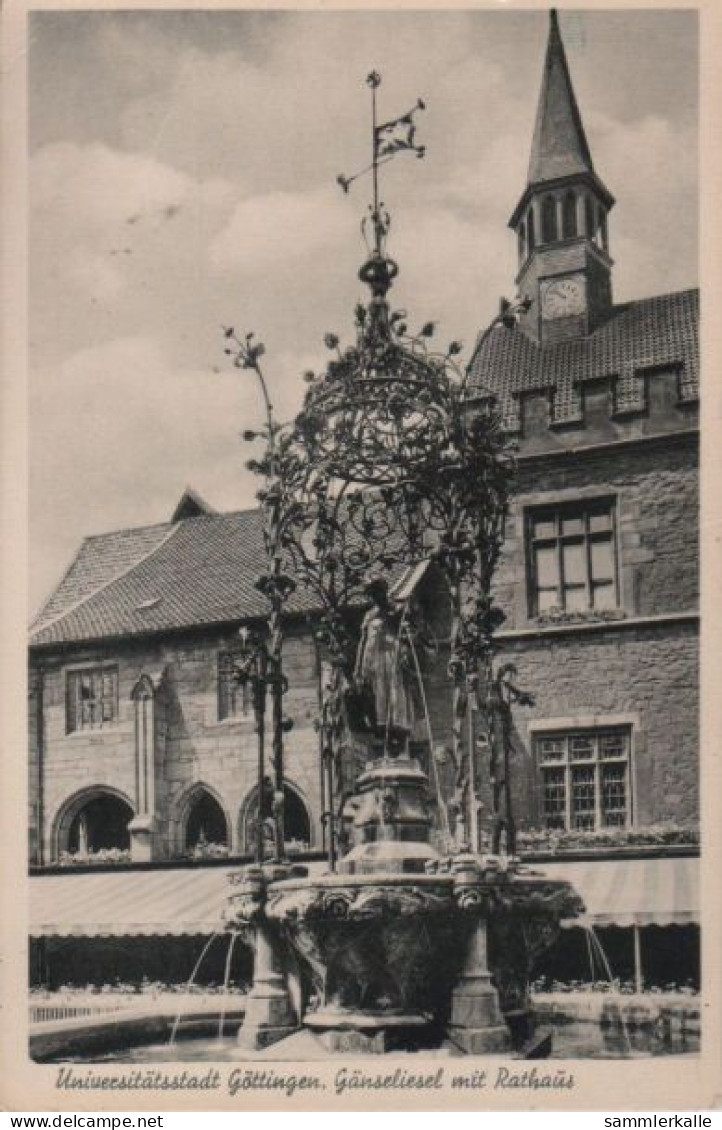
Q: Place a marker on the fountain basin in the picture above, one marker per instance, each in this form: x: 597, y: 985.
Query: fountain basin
x: 91, y: 1038
x: 384, y: 953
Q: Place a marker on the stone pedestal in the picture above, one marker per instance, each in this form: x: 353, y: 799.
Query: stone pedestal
x: 391, y: 820
x: 269, y: 1012
x: 364, y: 1033
x: 476, y: 1024
x: 142, y: 839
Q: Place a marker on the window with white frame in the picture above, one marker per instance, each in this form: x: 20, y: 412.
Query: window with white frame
x: 571, y: 557
x: 585, y: 779
x: 91, y: 698
x: 234, y: 698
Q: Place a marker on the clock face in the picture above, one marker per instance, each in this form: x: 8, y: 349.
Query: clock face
x: 563, y: 297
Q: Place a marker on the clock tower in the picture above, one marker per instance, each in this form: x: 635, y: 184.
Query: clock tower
x: 561, y: 218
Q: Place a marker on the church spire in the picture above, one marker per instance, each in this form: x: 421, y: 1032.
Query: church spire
x: 559, y: 146
x: 561, y: 218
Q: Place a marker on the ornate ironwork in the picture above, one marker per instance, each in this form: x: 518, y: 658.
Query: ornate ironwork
x: 389, y: 462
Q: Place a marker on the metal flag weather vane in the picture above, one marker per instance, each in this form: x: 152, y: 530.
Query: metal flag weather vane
x: 388, y: 140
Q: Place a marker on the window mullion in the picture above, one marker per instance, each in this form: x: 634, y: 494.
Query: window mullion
x: 588, y: 559
x: 560, y: 561
x: 597, y: 787
x: 567, y: 787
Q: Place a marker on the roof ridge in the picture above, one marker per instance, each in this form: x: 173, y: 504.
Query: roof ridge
x: 37, y: 618
x: 106, y: 584
x: 158, y: 525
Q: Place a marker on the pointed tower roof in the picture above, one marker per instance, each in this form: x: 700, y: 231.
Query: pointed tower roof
x: 559, y: 147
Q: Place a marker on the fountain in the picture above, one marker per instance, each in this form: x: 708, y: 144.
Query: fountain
x: 390, y: 473
x: 391, y: 477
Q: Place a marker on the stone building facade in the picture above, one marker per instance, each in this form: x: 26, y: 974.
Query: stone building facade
x: 192, y: 759
x: 599, y: 574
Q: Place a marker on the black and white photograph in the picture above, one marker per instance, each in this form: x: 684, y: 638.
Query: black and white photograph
x: 363, y: 414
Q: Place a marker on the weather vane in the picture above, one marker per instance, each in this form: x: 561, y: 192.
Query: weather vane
x: 388, y: 139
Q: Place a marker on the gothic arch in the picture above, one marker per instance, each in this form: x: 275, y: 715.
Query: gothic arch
x: 201, y: 807
x: 299, y: 825
x: 144, y: 688
x: 119, y: 806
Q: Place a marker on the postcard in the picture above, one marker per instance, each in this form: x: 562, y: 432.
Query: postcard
x: 360, y: 517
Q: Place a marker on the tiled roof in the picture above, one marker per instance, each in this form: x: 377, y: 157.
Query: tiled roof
x: 637, y: 337
x: 99, y: 560
x: 184, y: 574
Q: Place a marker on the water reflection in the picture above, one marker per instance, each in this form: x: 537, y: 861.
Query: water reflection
x: 573, y: 1040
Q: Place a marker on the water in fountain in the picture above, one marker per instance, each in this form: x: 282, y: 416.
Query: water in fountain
x: 191, y: 980
x: 226, y: 980
x: 440, y: 799
x: 594, y: 946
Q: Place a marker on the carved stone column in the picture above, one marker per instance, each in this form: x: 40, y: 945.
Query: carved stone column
x: 269, y: 1012
x: 142, y: 828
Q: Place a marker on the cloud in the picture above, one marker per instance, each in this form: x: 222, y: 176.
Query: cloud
x: 117, y: 432
x: 266, y: 231
x: 116, y: 242
x: 653, y: 227
x: 96, y: 187
x: 184, y: 178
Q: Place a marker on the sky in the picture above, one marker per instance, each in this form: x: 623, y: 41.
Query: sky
x: 183, y: 173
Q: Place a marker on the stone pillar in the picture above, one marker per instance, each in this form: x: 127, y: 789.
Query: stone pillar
x: 269, y: 1012
x: 142, y: 837
x: 559, y: 205
x: 581, y: 215
x: 143, y: 827
x: 476, y: 1024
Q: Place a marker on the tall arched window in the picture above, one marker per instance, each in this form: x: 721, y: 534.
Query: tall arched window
x: 548, y: 220
x: 205, y: 823
x: 297, y: 822
x: 530, y: 229
x: 101, y: 824
x: 569, y: 216
x: 603, y: 229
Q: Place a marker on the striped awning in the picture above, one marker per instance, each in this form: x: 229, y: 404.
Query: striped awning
x: 623, y: 892
x: 633, y: 892
x: 177, y: 901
